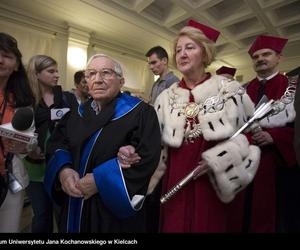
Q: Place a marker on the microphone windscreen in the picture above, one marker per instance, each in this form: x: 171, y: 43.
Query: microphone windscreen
x: 22, y: 119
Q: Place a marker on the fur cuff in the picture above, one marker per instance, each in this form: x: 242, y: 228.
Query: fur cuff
x: 281, y: 119
x: 233, y: 164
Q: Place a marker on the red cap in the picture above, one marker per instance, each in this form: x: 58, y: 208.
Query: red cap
x: 268, y: 42
x: 209, y: 32
x: 226, y: 70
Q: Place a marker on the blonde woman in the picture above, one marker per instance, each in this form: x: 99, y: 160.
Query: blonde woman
x: 51, y: 100
x: 203, y: 111
x: 196, y: 115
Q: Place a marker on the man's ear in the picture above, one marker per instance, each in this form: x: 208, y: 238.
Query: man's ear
x: 122, y: 81
x: 165, y: 60
x: 280, y: 57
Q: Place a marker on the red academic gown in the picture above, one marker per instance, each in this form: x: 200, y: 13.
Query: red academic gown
x: 196, y: 207
x: 278, y: 155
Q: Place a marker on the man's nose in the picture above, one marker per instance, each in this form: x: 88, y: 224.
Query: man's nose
x: 98, y: 77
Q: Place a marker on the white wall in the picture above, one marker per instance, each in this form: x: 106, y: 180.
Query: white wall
x: 32, y: 42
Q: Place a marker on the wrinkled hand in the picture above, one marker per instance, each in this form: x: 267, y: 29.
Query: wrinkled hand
x: 68, y: 179
x: 87, y: 186
x: 127, y: 156
x: 262, y: 138
x: 13, y: 146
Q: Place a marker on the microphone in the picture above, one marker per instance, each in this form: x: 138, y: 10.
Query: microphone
x: 21, y: 127
x: 22, y: 119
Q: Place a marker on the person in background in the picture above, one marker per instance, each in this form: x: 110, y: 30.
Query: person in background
x: 15, y: 92
x: 197, y: 117
x: 51, y: 105
x: 158, y: 60
x: 288, y: 179
x: 95, y: 191
x: 81, y: 90
x: 227, y: 72
x: 297, y: 119
x: 274, y: 138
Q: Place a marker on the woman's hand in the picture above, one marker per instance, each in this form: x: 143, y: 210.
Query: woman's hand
x: 127, y: 156
x: 14, y: 146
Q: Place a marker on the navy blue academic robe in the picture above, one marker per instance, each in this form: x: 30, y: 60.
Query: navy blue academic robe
x: 90, y: 143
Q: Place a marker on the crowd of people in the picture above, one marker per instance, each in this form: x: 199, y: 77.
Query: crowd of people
x: 104, y: 158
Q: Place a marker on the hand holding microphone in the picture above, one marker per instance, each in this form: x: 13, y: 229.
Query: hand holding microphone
x: 13, y: 146
x: 18, y: 136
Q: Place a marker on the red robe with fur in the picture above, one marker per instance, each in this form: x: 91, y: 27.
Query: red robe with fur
x: 278, y: 155
x: 196, y: 207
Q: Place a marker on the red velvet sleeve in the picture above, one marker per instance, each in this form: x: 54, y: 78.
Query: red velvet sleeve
x: 283, y: 139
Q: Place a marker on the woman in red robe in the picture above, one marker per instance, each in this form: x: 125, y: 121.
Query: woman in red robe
x: 196, y: 115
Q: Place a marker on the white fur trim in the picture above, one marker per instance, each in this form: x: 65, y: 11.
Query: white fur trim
x: 227, y: 153
x: 171, y: 123
x: 216, y: 125
x: 234, y: 114
x: 233, y: 164
x: 281, y: 119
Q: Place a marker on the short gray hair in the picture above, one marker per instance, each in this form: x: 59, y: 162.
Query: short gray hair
x: 118, y: 68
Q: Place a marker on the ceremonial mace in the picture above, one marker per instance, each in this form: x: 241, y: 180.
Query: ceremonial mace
x: 261, y: 112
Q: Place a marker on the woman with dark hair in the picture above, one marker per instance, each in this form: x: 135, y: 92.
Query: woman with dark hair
x: 15, y: 92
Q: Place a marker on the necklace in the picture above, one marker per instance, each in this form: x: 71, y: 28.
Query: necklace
x: 190, y: 110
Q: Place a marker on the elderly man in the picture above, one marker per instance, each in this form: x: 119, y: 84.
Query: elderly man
x: 275, y: 138
x: 83, y: 173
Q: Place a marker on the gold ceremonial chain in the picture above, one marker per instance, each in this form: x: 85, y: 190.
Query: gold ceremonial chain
x: 286, y: 98
x: 191, y: 109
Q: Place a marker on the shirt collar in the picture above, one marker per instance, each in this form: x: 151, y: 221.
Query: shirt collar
x: 95, y: 107
x: 165, y: 77
x: 183, y: 85
x: 268, y: 78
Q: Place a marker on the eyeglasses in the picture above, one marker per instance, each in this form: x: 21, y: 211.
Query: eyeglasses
x: 105, y: 74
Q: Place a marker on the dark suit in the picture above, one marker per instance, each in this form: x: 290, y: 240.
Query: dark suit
x: 297, y: 121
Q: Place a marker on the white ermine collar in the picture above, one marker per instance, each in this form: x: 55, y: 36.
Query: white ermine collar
x: 181, y: 119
